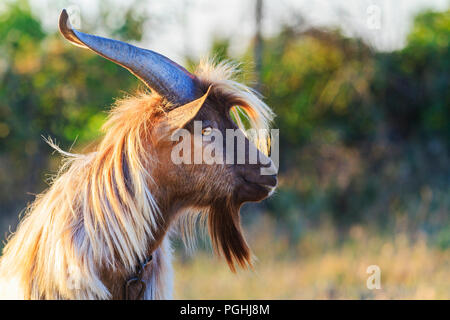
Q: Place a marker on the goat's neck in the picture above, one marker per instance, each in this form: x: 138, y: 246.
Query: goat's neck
x: 158, y: 273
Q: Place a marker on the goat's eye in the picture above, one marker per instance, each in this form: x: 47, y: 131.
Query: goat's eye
x: 206, y: 131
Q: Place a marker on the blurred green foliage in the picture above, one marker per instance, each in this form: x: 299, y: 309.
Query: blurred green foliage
x: 47, y: 89
x: 364, y: 134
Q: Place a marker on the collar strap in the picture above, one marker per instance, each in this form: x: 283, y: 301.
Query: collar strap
x: 136, y: 281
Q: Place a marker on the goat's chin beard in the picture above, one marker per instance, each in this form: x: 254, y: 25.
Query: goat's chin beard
x: 226, y: 233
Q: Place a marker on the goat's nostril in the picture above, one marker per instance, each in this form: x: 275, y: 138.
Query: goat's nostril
x: 268, y: 169
x: 271, y: 180
x: 264, y: 180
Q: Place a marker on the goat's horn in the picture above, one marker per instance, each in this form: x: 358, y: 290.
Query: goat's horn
x: 161, y: 74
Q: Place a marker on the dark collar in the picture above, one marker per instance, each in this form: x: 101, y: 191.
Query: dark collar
x: 136, y: 281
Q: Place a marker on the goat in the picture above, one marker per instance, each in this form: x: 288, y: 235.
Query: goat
x: 109, y: 211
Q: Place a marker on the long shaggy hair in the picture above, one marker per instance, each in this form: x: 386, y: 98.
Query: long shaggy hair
x: 100, y: 212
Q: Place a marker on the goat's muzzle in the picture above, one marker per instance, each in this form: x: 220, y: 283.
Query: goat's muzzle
x: 257, y: 182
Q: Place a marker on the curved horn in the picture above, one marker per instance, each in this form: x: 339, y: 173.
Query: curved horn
x: 161, y: 74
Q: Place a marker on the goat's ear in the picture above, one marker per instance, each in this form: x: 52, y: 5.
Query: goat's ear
x: 179, y: 117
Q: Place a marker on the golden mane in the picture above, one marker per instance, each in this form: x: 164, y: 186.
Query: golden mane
x: 99, y: 209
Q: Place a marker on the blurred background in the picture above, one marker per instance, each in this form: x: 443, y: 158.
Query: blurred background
x: 361, y: 93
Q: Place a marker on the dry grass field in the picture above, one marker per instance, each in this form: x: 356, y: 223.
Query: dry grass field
x: 318, y: 268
